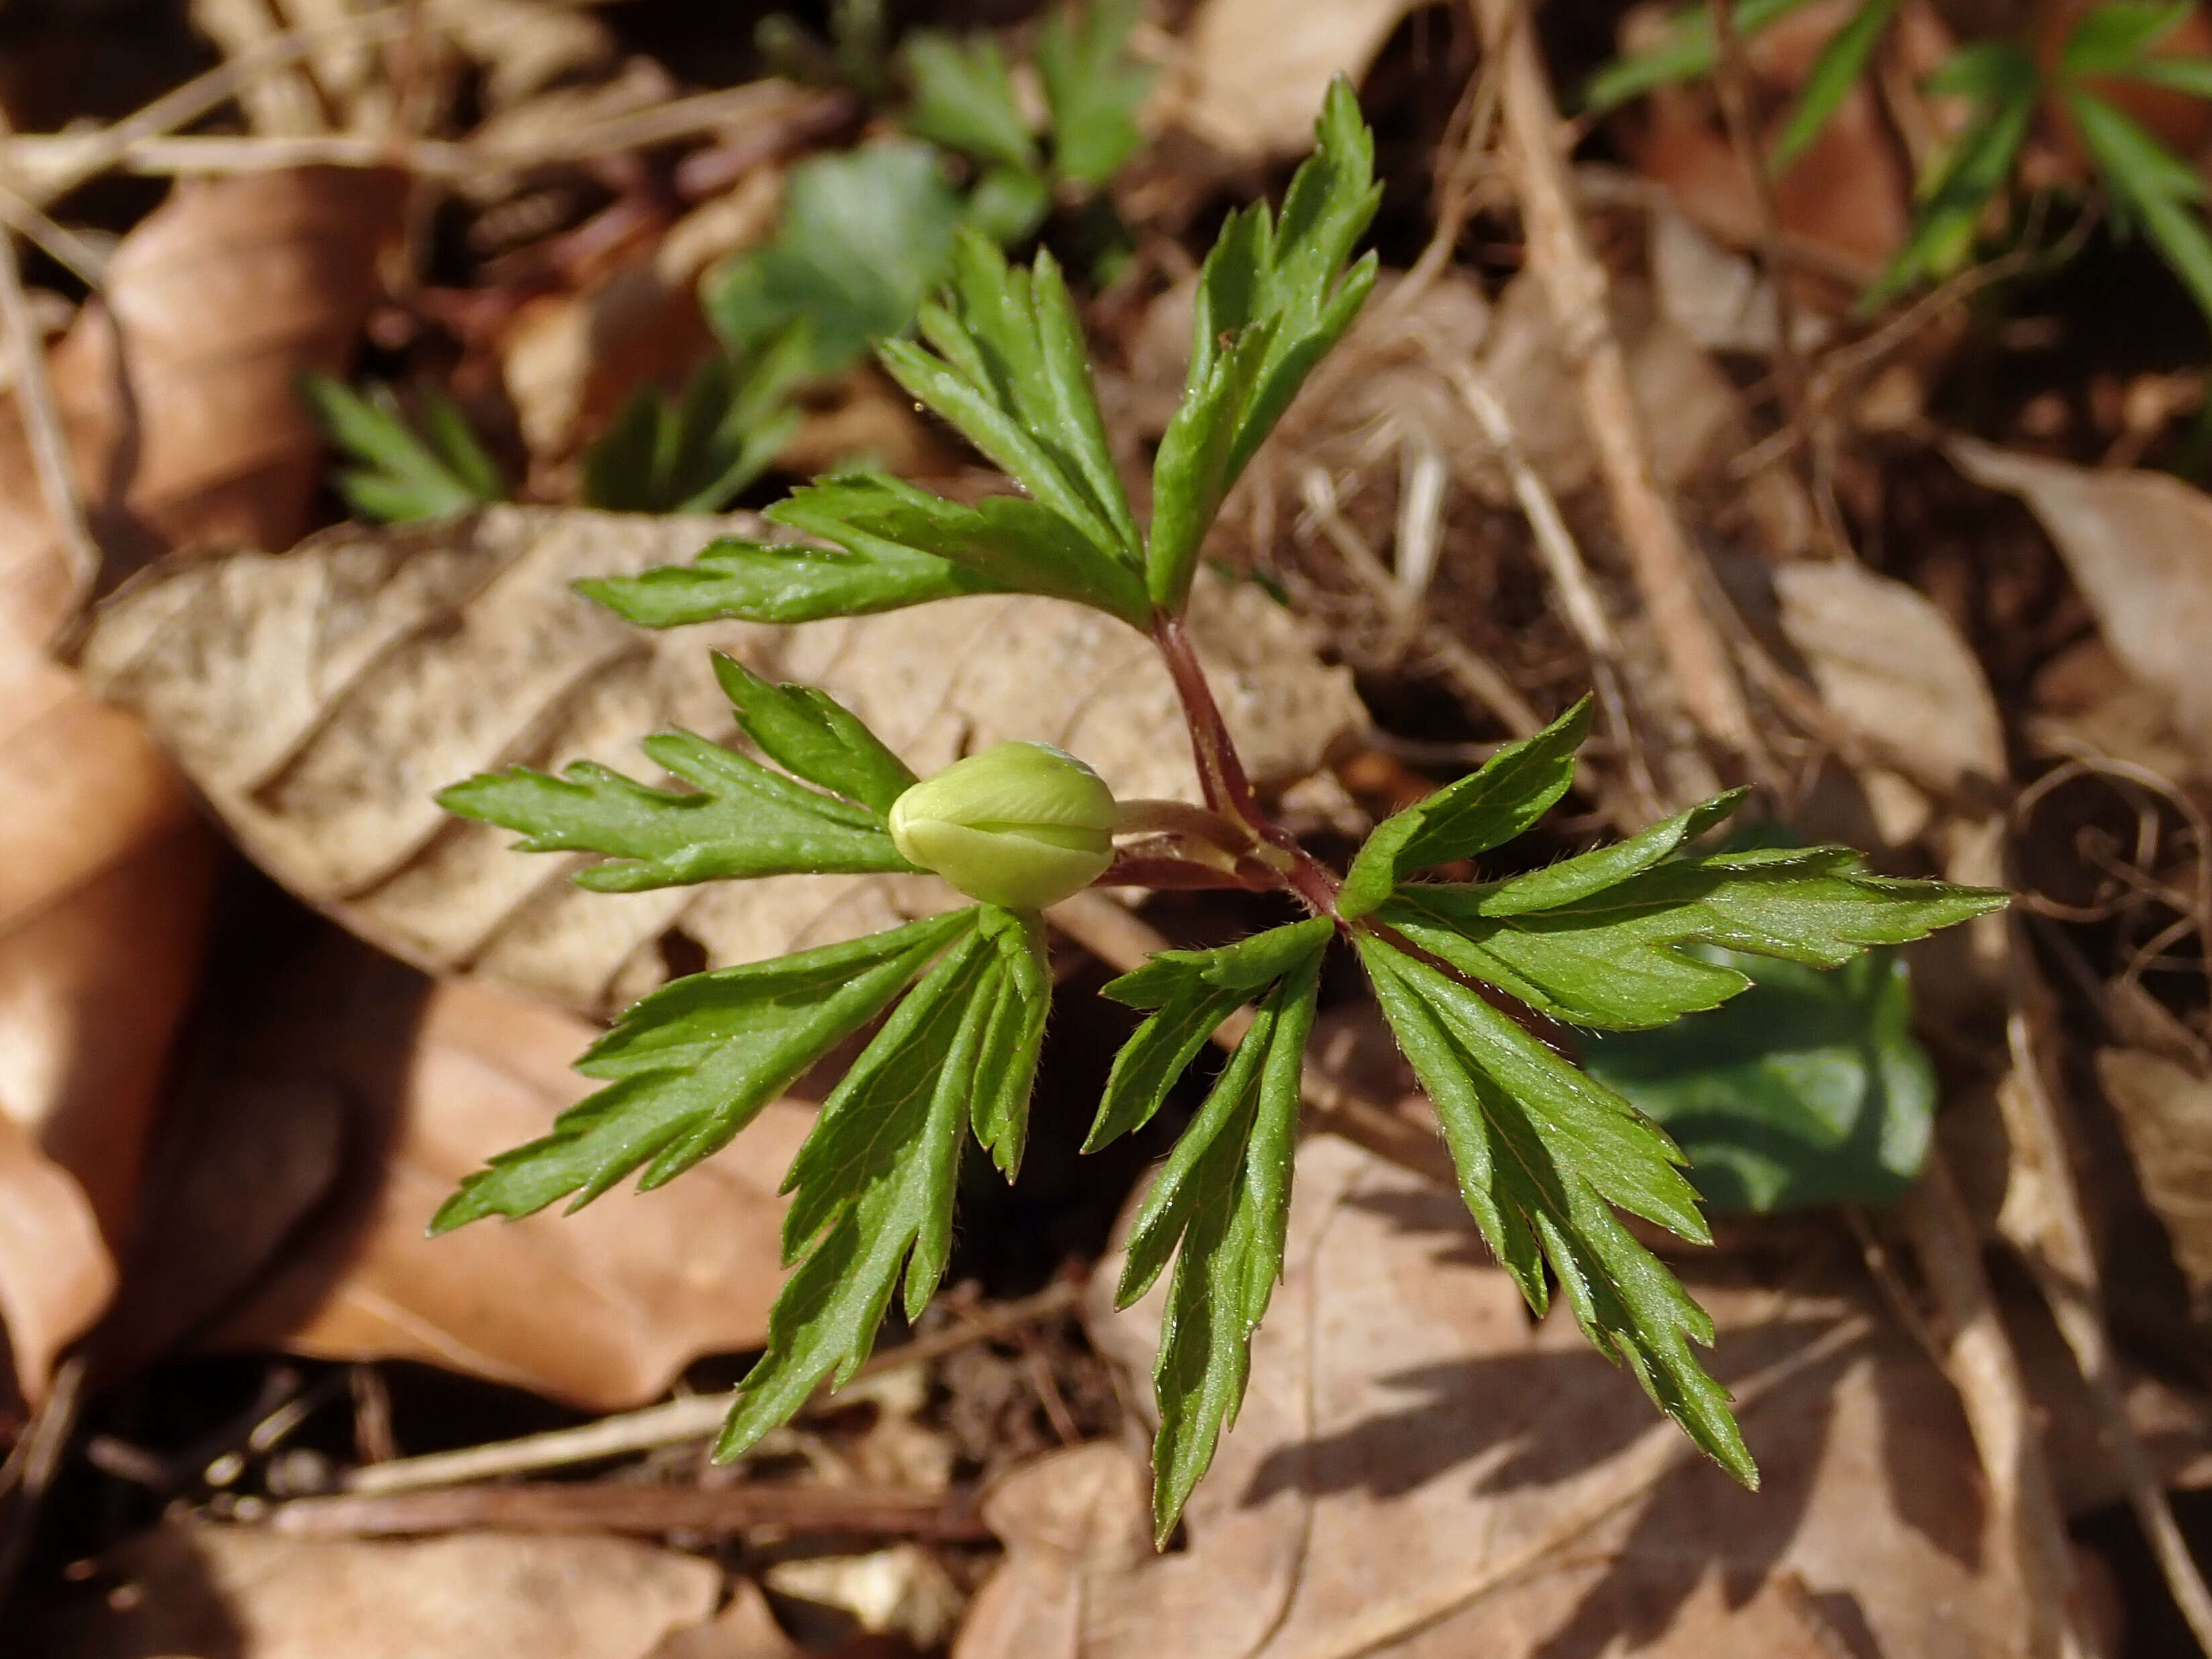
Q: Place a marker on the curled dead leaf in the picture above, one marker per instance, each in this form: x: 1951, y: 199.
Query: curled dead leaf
x: 318, y: 698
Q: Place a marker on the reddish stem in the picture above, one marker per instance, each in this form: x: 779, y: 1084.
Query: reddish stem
x: 1221, y: 773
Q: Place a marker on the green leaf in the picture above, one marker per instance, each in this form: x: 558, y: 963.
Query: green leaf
x: 2111, y: 35
x: 1092, y: 88
x: 1006, y: 1057
x: 1514, y: 788
x: 1807, y: 1089
x: 1597, y: 941
x: 1012, y: 375
x: 694, y: 453
x: 873, y: 1187
x: 2002, y: 79
x: 1008, y: 204
x: 737, y: 578
x: 1544, y: 1152
x: 2148, y: 183
x: 692, y: 1064
x: 739, y: 820
x: 1840, y: 65
x: 811, y: 735
x: 1223, y: 1197
x: 1273, y: 296
x: 1689, y: 55
x: 964, y: 99
x: 398, y: 476
x: 1190, y: 993
x: 865, y: 236
x: 1006, y: 542
x: 2190, y: 74
x: 456, y: 445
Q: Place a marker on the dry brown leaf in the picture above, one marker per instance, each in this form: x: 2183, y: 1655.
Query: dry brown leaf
x: 178, y: 390
x: 319, y: 698
x: 1256, y: 70
x: 2136, y: 543
x: 1417, y: 1470
x: 177, y: 395
x: 2166, y: 1114
x: 201, y: 1592
x: 350, y: 1106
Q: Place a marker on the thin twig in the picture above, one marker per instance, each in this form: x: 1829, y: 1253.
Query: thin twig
x: 1984, y: 1369
x: 615, y: 1506
x: 42, y: 423
x: 40, y: 155
x: 32, y: 1465
x: 695, y: 1418
x: 1575, y: 283
x: 1571, y: 577
x: 42, y: 167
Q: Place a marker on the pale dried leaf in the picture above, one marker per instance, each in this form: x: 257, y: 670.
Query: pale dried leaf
x: 2166, y: 1114
x: 201, y: 1592
x: 2139, y: 546
x: 319, y: 698
x: 1418, y: 1470
x: 1892, y: 668
x: 1719, y: 299
x: 1256, y: 70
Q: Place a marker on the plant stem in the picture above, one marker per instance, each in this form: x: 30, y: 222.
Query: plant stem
x: 1221, y: 774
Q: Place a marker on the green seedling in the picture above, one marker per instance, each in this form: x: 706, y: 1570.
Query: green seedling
x: 1547, y: 1156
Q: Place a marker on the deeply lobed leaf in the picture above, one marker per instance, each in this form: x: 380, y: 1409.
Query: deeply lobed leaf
x: 398, y: 475
x: 811, y: 735
x: 740, y: 820
x: 865, y: 236
x: 873, y: 1187
x: 1190, y: 993
x: 690, y: 1065
x: 1544, y: 1152
x: 1092, y: 88
x: 1221, y: 1204
x: 1604, y: 940
x: 1488, y: 807
x: 963, y: 98
x: 1273, y: 297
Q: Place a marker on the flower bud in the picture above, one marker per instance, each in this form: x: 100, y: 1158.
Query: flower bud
x: 1021, y: 824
